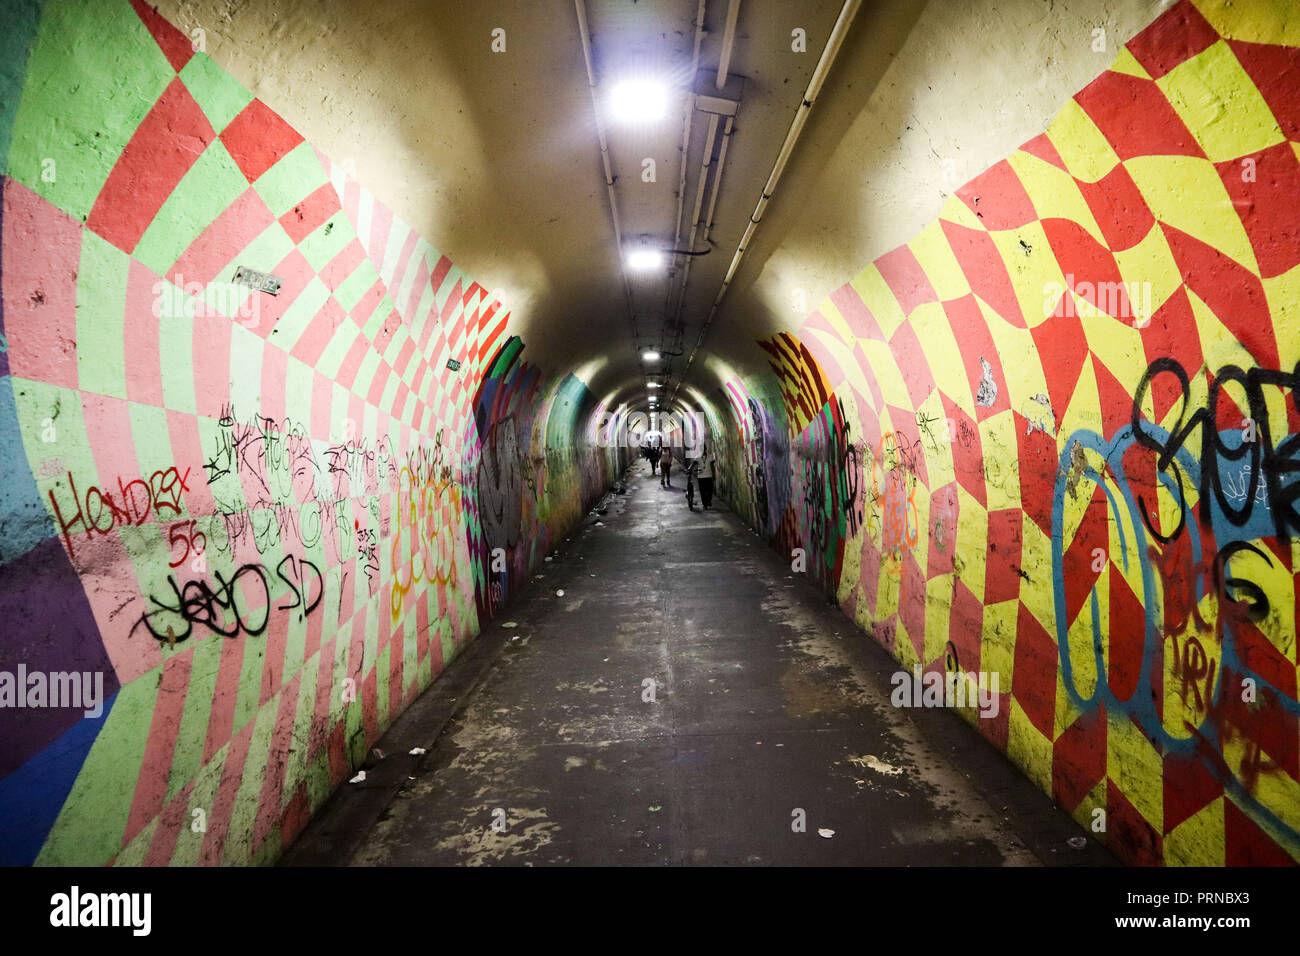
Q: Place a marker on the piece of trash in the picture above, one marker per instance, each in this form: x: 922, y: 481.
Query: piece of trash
x: 510, y: 624
x: 376, y: 754
x: 416, y: 751
x: 825, y: 832
x: 359, y: 778
x: 591, y: 575
x: 1078, y: 842
x: 600, y: 524
x: 560, y: 593
x: 655, y: 809
x: 875, y: 763
x: 515, y: 638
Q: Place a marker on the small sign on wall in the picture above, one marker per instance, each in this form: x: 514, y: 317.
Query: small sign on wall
x: 262, y: 281
x: 453, y: 364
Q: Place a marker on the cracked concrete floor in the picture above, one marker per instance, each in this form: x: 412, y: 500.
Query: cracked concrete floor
x: 687, y: 700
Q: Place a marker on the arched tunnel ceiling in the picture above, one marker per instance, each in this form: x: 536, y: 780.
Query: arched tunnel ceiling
x: 494, y: 157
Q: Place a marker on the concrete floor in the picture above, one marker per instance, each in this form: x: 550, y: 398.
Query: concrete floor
x: 542, y: 750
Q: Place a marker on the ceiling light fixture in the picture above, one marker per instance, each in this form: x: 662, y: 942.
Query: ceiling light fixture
x: 638, y: 101
x: 650, y: 355
x: 645, y: 260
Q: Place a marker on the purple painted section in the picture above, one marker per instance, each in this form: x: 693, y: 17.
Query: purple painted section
x: 47, y: 626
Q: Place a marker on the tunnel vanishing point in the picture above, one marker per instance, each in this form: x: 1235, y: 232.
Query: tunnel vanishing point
x: 340, y: 343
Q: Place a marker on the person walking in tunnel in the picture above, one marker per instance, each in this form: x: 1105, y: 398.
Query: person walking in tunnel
x: 650, y: 454
x: 665, y: 463
x: 704, y: 474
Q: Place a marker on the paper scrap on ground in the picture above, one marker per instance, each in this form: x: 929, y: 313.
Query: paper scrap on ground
x: 872, y: 762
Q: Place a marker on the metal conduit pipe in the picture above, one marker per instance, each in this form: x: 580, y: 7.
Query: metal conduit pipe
x: 581, y: 8
x: 686, y: 126
x: 728, y: 42
x: 707, y: 221
x: 829, y: 53
x: 724, y: 66
x: 695, y: 214
x: 686, y: 145
x: 717, y: 180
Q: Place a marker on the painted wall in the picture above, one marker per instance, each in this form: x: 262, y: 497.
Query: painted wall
x: 264, y: 523
x: 1056, y: 436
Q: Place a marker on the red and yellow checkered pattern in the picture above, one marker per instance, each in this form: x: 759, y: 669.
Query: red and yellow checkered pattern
x: 1158, y: 216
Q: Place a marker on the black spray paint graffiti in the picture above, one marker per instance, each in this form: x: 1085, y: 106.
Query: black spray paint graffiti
x: 300, y: 586
x: 272, y: 492
x: 229, y: 609
x: 276, y: 456
x: 356, y: 467
x: 367, y: 550
x: 1272, y: 467
x: 1204, y: 652
x: 941, y: 432
x: 500, y: 485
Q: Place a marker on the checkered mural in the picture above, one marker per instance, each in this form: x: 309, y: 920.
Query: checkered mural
x: 1056, y: 436
x: 266, y: 521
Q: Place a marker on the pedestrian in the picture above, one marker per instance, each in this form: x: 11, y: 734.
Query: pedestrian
x: 665, y: 464
x: 650, y: 454
x: 707, y: 469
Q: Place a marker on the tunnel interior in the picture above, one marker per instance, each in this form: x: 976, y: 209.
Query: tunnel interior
x: 324, y: 326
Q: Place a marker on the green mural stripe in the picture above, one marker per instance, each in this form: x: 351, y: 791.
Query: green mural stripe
x: 220, y: 98
x: 96, y: 67
x: 21, y: 22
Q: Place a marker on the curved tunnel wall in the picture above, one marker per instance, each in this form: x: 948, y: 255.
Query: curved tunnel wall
x: 981, y: 447
x: 1055, y: 438
x: 264, y: 523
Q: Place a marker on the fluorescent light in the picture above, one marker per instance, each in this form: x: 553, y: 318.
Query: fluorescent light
x: 644, y: 260
x: 651, y: 384
x: 650, y: 356
x: 638, y: 101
